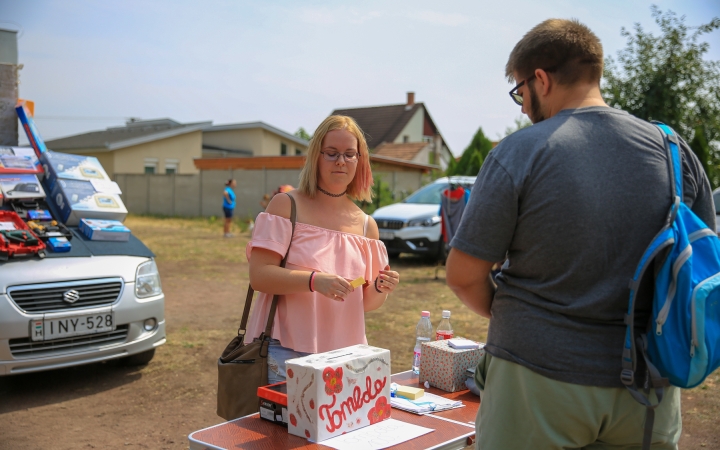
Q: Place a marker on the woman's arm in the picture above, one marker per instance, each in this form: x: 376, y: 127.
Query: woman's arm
x: 267, y: 276
x: 386, y: 281
x: 227, y: 196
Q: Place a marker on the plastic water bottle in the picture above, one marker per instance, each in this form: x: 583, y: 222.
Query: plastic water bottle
x: 423, y: 333
x: 444, y: 330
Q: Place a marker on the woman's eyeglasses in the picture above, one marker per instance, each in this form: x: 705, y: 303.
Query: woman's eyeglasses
x: 350, y: 157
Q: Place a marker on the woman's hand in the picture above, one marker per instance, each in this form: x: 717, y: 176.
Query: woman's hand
x: 387, y: 280
x: 332, y: 286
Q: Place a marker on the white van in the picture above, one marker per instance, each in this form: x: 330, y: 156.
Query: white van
x: 86, y: 306
x: 413, y: 225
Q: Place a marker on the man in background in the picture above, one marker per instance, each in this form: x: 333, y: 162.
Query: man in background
x: 573, y: 201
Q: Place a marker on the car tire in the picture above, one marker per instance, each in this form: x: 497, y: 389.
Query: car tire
x: 139, y: 359
x: 393, y: 254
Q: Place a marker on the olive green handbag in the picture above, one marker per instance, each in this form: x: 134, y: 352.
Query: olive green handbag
x: 242, y: 368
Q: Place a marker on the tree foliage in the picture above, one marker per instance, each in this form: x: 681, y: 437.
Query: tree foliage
x: 666, y: 78
x: 473, y: 156
x: 520, y: 123
x: 303, y: 134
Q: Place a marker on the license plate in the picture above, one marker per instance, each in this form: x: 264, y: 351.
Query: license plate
x: 48, y: 329
x: 387, y: 235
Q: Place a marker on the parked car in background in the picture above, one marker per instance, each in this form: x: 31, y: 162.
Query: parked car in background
x: 66, y: 311
x: 413, y: 225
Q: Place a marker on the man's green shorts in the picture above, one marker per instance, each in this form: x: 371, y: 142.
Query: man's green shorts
x: 521, y: 409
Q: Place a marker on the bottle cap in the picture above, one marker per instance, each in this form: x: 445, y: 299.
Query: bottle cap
x: 425, y: 314
x: 446, y: 314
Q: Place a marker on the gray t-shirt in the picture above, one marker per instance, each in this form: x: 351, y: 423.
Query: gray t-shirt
x: 573, y: 202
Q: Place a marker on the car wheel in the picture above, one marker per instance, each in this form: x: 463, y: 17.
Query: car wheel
x: 139, y: 359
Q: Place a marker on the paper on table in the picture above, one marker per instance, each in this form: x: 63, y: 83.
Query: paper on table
x: 425, y: 404
x: 381, y: 435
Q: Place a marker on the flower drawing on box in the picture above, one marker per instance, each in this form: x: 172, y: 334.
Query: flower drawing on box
x: 333, y: 380
x: 380, y: 412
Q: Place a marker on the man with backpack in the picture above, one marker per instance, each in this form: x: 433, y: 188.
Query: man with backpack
x: 573, y: 201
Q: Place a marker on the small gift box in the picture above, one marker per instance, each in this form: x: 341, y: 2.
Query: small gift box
x: 444, y: 367
x: 336, y: 392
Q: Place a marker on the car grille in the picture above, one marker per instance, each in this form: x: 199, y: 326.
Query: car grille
x: 40, y: 298
x: 390, y: 224
x: 25, y: 348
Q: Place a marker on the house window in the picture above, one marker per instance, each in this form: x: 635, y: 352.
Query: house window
x: 406, y: 138
x: 151, y: 165
x: 298, y: 151
x: 171, y: 166
x: 283, y: 149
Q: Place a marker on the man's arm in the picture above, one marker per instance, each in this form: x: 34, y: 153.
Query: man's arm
x: 469, y: 278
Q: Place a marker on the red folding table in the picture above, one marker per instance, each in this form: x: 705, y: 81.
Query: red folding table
x: 454, y: 428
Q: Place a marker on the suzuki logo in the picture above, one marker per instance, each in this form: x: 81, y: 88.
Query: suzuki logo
x: 71, y: 296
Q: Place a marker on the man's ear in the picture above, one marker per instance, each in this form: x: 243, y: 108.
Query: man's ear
x: 546, y: 83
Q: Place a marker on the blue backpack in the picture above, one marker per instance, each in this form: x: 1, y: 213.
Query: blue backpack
x: 682, y: 343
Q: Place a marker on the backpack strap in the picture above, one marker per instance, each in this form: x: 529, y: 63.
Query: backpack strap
x: 662, y: 241
x: 672, y: 148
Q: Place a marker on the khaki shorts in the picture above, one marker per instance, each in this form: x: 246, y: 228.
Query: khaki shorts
x: 521, y: 409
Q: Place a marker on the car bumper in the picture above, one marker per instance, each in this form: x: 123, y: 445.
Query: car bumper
x: 418, y: 240
x: 129, y: 338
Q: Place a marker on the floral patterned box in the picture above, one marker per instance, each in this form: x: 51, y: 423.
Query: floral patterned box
x: 336, y: 392
x: 444, y: 367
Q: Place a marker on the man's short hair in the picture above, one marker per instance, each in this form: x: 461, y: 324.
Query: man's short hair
x: 567, y: 49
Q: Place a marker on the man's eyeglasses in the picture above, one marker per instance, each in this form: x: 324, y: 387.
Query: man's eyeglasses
x: 517, y: 98
x: 350, y: 157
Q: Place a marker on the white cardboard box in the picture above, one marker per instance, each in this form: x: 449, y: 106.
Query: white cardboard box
x: 339, y: 391
x: 78, y: 199
x: 104, y: 230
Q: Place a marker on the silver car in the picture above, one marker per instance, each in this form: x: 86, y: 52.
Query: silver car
x: 66, y: 311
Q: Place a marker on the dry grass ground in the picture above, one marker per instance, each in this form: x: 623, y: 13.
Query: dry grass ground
x: 204, y: 279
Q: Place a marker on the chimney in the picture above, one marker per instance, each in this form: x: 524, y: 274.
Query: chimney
x: 410, y: 98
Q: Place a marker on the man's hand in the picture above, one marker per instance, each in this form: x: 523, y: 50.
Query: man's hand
x: 469, y: 278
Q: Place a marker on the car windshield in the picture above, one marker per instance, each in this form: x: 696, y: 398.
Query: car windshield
x: 430, y: 194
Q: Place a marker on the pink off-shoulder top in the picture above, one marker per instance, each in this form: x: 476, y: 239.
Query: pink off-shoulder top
x: 310, y: 322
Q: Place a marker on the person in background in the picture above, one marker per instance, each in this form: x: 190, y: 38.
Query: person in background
x: 334, y: 243
x: 228, y: 206
x: 573, y: 201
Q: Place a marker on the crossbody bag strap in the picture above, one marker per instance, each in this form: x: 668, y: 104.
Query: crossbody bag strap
x: 251, y: 291
x: 273, y: 307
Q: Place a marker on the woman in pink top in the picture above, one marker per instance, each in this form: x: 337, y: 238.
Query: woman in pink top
x: 334, y: 243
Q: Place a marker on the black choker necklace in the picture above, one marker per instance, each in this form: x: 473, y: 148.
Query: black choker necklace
x: 330, y: 194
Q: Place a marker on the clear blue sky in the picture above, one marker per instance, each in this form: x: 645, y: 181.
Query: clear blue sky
x: 91, y: 64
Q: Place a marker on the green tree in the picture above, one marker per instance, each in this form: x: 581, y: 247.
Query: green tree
x: 666, y: 78
x: 473, y: 156
x: 303, y: 134
x: 520, y: 123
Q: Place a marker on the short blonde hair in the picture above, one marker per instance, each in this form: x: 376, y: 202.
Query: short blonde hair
x: 360, y: 187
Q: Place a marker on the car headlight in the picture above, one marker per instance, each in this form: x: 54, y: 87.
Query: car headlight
x: 424, y: 221
x: 147, y: 280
